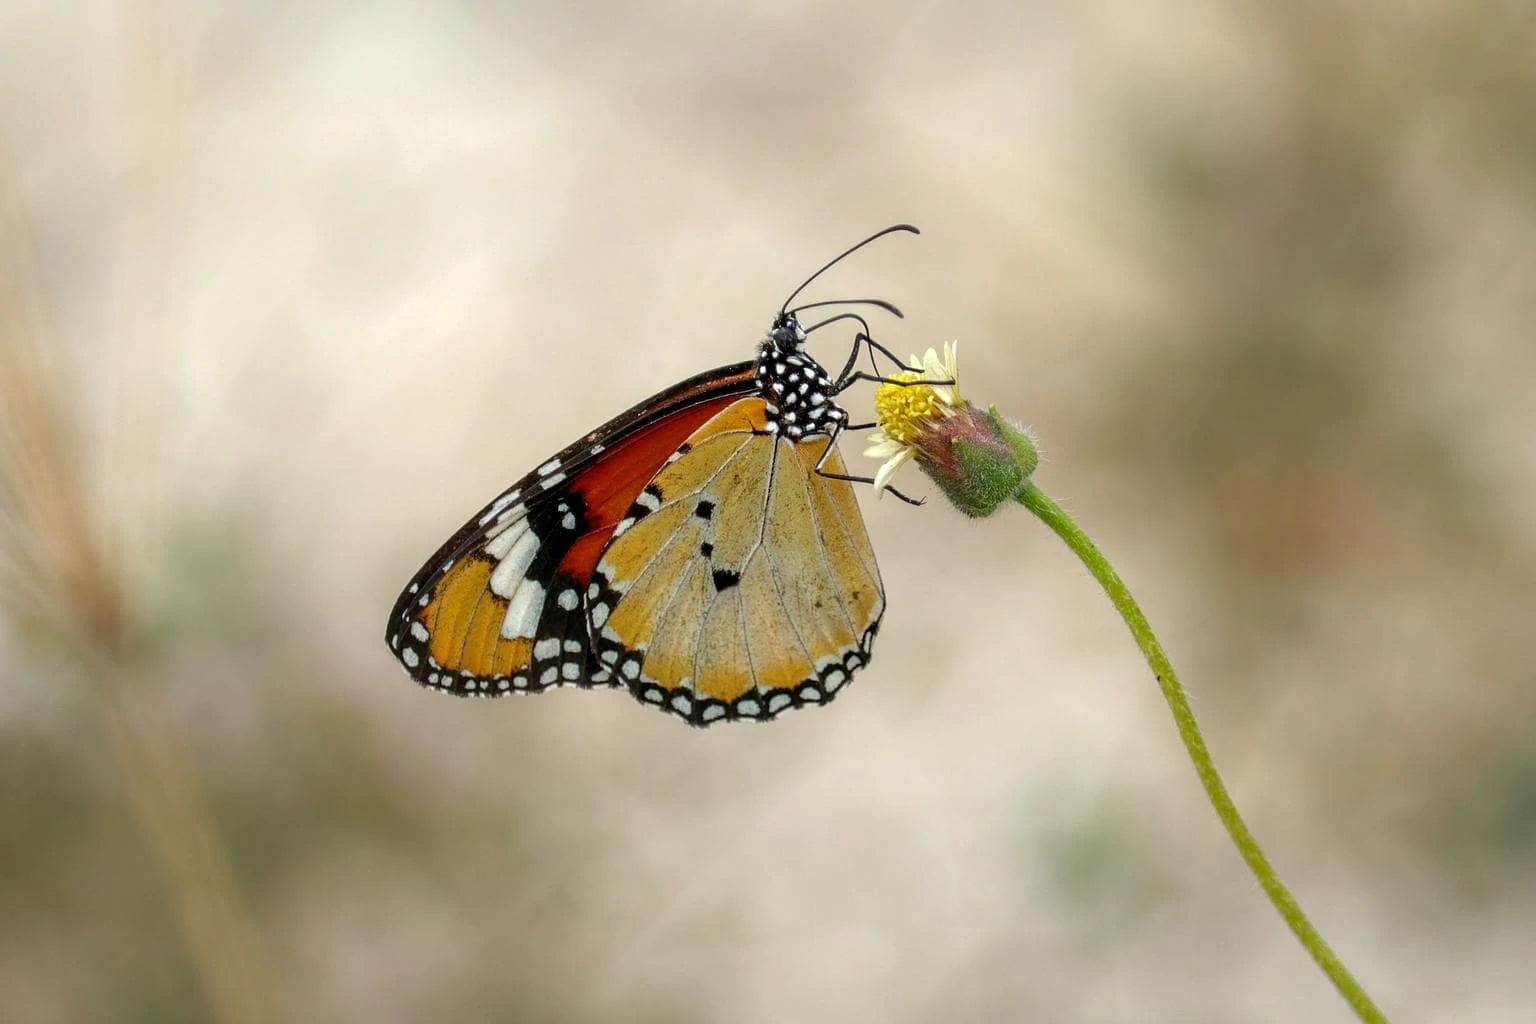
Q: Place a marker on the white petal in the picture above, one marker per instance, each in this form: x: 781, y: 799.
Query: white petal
x: 932, y: 368
x: 884, y: 449
x: 888, y: 468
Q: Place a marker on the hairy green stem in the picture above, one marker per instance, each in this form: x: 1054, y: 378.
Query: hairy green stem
x: 1050, y: 513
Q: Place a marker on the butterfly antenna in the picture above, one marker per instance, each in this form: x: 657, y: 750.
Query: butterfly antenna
x: 881, y: 303
x: 842, y: 256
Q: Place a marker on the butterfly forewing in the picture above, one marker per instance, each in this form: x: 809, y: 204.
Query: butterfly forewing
x: 501, y: 606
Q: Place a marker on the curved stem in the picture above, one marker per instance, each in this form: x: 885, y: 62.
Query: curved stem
x: 1050, y: 513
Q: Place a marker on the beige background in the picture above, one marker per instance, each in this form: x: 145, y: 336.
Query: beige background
x: 292, y: 288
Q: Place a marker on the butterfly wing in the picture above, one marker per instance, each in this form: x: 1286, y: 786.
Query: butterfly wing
x: 499, y: 608
x: 741, y: 582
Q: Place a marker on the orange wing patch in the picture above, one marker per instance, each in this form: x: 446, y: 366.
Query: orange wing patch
x: 458, y: 632
x: 843, y: 538
x: 722, y: 669
x: 742, y: 582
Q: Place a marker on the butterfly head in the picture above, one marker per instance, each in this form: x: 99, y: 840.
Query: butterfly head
x: 786, y: 334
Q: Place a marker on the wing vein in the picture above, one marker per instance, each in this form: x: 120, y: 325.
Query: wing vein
x: 666, y: 504
x: 871, y: 569
x: 698, y: 649
x: 773, y: 576
x: 824, y: 556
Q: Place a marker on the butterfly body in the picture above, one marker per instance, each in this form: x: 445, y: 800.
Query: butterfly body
x: 698, y: 550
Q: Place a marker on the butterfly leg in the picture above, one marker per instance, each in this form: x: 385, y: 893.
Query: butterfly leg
x: 848, y: 376
x: 863, y: 339
x: 875, y: 346
x: 853, y: 357
x: 860, y: 339
x: 848, y: 381
x: 827, y: 452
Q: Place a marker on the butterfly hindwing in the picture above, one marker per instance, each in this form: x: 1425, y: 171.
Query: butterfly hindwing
x: 742, y: 582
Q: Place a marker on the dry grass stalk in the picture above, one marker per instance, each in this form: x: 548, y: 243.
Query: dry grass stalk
x: 58, y: 577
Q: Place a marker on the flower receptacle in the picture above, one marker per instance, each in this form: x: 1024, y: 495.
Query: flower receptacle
x: 989, y: 460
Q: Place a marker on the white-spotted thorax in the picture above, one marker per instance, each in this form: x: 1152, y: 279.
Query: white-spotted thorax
x: 796, y: 389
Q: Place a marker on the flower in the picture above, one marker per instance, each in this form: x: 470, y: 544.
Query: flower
x: 979, y: 459
x: 902, y: 410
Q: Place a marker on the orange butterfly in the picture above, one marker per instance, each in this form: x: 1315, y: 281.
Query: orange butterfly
x: 703, y: 549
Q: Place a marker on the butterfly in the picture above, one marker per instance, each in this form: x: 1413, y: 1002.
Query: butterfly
x: 703, y: 549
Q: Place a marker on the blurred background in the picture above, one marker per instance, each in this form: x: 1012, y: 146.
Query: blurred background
x: 287, y: 290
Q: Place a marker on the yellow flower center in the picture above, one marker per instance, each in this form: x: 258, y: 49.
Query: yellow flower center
x: 904, y: 411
